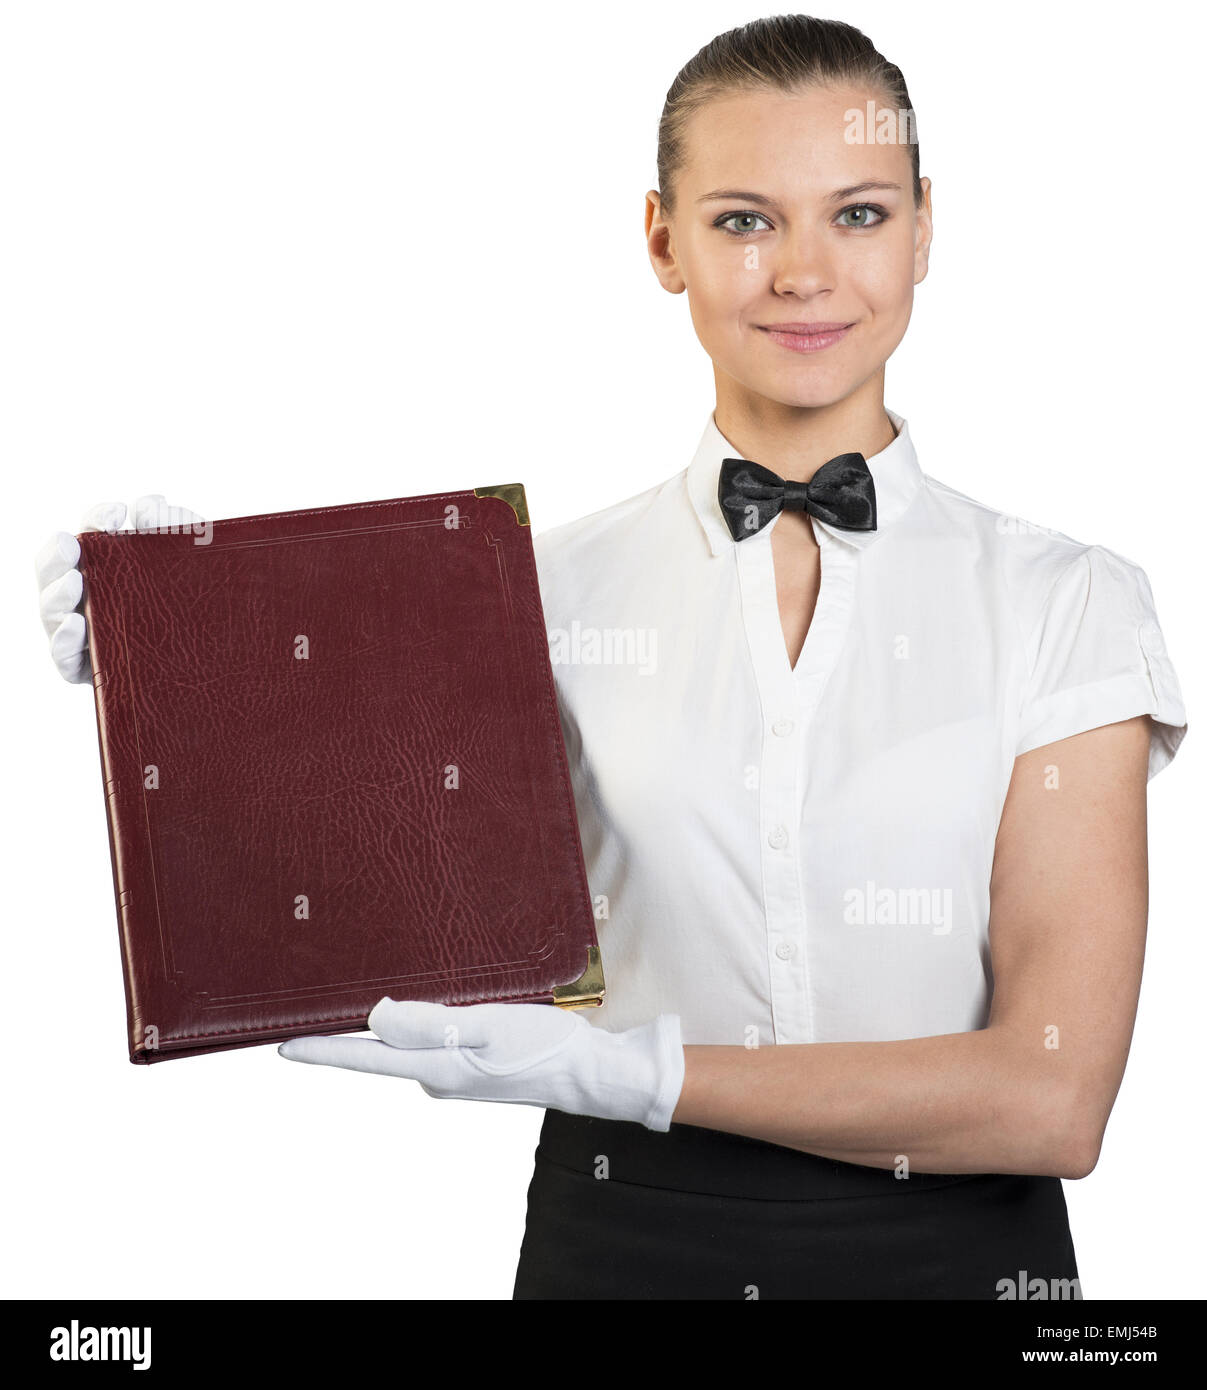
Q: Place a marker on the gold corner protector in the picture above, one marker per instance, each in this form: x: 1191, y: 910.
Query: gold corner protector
x: 512, y: 494
x: 587, y: 990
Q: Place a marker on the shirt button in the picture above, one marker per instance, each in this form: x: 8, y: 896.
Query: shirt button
x: 778, y: 838
x: 785, y: 950
x: 782, y: 728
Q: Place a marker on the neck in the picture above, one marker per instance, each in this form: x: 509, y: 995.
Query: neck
x: 794, y: 441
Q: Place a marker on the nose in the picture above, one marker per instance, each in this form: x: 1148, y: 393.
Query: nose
x: 802, y: 267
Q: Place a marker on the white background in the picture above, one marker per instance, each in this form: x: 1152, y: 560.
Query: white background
x: 259, y: 256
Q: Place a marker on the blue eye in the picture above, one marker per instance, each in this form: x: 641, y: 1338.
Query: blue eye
x: 867, y: 214
x: 745, y: 216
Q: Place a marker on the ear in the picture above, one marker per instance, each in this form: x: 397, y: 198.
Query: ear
x: 923, y: 230
x: 660, y: 245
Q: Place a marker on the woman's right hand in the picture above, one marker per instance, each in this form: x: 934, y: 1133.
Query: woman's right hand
x: 61, y: 585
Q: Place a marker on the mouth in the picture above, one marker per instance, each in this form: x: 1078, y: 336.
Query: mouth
x: 806, y: 337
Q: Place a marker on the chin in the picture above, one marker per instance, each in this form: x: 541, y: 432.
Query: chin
x: 802, y: 390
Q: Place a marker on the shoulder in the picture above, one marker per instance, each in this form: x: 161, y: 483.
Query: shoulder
x: 575, y: 554
x: 601, y: 527
x: 1034, y: 563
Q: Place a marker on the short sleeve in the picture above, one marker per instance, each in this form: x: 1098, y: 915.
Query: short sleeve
x: 1098, y: 656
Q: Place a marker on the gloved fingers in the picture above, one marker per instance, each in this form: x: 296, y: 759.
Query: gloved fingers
x: 60, y: 554
x: 430, y: 1065
x: 59, y: 598
x: 416, y: 1023
x: 69, y: 650
x: 152, y: 513
x: 528, y: 1029
x: 105, y: 516
x: 497, y: 1039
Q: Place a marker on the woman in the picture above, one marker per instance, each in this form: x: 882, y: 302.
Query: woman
x: 867, y: 817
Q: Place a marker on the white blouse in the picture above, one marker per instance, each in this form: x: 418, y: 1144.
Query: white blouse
x: 800, y: 855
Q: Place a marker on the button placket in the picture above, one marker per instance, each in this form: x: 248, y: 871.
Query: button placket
x: 789, y: 698
x: 779, y: 805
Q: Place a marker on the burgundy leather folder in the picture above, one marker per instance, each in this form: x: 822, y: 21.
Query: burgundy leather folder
x: 334, y: 770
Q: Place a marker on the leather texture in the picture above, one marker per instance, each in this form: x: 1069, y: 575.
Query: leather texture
x: 283, y: 714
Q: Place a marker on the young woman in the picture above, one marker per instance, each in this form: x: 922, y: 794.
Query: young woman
x: 868, y: 813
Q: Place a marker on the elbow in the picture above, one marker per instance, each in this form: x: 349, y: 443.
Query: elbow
x: 1070, y: 1129
x: 1078, y: 1159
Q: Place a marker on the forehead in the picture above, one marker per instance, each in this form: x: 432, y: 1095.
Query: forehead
x: 790, y: 144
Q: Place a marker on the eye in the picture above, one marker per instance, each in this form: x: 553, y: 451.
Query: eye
x: 863, y: 215
x: 746, y: 217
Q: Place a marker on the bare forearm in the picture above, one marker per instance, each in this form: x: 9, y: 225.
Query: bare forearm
x: 956, y: 1103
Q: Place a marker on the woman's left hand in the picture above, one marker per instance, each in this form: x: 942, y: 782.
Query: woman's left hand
x: 525, y: 1054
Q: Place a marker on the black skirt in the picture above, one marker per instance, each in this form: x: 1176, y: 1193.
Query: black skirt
x: 619, y: 1211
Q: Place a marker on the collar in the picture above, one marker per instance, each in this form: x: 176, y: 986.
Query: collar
x: 894, y: 470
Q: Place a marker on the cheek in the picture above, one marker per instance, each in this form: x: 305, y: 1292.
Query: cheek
x: 885, y: 280
x: 720, y: 287
x: 723, y: 282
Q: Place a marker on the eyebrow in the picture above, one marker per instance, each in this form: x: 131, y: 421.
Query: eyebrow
x: 744, y: 195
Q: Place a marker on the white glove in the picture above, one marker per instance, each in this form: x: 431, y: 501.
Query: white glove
x: 525, y: 1054
x: 62, y: 586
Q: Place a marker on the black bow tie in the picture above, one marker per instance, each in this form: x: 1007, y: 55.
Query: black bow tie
x: 841, y: 492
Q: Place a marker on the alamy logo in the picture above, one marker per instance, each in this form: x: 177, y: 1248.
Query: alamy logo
x: 879, y: 126
x: 1006, y: 525
x: 1034, y: 1289
x: 870, y: 906
x: 76, y: 1343
x: 609, y: 646
x: 169, y: 521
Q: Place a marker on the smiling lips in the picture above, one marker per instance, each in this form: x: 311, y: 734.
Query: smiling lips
x: 806, y: 337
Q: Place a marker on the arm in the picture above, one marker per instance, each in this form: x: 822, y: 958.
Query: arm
x: 1031, y: 1092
